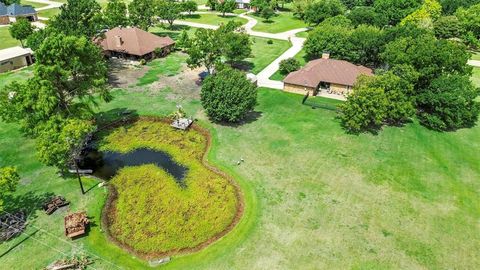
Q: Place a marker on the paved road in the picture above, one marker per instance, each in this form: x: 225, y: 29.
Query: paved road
x: 475, y: 63
x: 51, y: 4
x: 264, y: 75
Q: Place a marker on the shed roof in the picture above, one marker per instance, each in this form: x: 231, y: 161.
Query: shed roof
x: 3, y: 9
x: 10, y: 53
x: 327, y: 70
x: 17, y: 10
x: 133, y: 41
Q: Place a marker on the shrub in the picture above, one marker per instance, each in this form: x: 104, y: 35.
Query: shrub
x: 228, y: 95
x: 269, y: 41
x: 143, y: 62
x: 289, y: 65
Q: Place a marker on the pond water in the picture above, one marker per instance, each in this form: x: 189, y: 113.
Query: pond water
x: 106, y: 164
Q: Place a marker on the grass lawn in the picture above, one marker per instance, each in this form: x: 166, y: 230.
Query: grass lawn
x: 315, y: 196
x: 183, y: 217
x: 278, y: 76
x: 264, y: 53
x: 33, y: 4
x: 168, y: 66
x: 476, y: 76
x: 16, y: 75
x: 212, y: 19
x: 48, y: 13
x: 7, y: 40
x: 476, y: 56
x: 283, y: 21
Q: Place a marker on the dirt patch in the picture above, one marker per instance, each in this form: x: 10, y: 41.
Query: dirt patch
x: 123, y: 73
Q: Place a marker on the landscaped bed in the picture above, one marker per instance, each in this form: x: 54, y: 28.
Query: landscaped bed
x: 148, y: 212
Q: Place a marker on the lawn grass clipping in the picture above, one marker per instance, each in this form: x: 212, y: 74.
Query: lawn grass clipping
x: 150, y: 214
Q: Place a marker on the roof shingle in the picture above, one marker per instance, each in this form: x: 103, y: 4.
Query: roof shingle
x: 133, y: 41
x: 327, y: 70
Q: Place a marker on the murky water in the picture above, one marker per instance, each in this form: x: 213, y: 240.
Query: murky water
x: 106, y: 164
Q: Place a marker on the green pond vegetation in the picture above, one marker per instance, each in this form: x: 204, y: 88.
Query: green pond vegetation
x: 152, y: 213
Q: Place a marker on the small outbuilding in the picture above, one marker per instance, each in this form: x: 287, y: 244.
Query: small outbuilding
x: 134, y: 44
x: 15, y: 11
x: 329, y: 75
x: 14, y: 58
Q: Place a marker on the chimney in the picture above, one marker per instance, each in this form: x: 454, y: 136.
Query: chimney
x: 325, y: 55
x: 118, y: 41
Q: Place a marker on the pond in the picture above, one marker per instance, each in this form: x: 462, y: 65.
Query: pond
x: 105, y: 165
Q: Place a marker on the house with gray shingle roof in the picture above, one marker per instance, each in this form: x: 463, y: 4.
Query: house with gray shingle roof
x: 3, y: 14
x: 14, y: 11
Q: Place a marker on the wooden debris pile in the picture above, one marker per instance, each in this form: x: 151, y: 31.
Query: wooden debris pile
x: 12, y: 225
x: 55, y: 203
x: 76, y: 263
x: 76, y: 224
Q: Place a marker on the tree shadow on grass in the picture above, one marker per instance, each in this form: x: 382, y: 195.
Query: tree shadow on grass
x: 243, y: 65
x: 30, y: 202
x: 118, y: 114
x: 192, y: 16
x: 249, y: 118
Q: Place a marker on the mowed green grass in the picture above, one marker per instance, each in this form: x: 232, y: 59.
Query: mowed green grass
x: 263, y: 53
x: 475, y: 56
x: 7, y: 40
x: 167, y: 217
x: 48, y: 13
x: 476, y: 76
x: 283, y: 21
x: 33, y: 4
x: 212, y: 19
x: 315, y: 197
x: 167, y: 66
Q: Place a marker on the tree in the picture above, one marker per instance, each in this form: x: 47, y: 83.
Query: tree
x: 449, y: 103
x: 69, y: 75
x: 228, y: 95
x: 366, y: 15
x: 237, y: 45
x: 21, y: 30
x: 9, y: 179
x: 226, y: 6
x: 189, y: 6
x: 212, y: 4
x: 450, y: 6
x: 169, y: 11
x: 9, y: 2
x: 267, y: 13
x: 395, y: 10
x: 183, y: 40
x: 289, y: 65
x: 367, y: 43
x: 364, y: 110
x: 447, y: 27
x: 299, y: 7
x: 115, y: 14
x: 428, y: 56
x: 78, y: 18
x: 58, y: 139
x: 323, y: 9
x: 334, y: 39
x: 425, y: 15
x: 204, y: 50
x: 142, y: 13
x: 470, y: 19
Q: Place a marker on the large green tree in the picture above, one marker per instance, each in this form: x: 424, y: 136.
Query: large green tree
x: 448, y: 27
x: 395, y: 10
x: 226, y: 6
x: 68, y: 76
x: 21, y: 30
x: 169, y: 11
x: 9, y: 179
x: 142, y: 13
x: 334, y: 39
x: 318, y: 11
x: 366, y: 42
x: 79, y: 18
x: 364, y: 110
x: 470, y: 20
x: 228, y: 95
x: 115, y: 14
x: 449, y: 103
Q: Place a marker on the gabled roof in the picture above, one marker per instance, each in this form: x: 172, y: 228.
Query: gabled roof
x: 327, y: 70
x: 133, y: 41
x: 13, y: 52
x: 3, y: 9
x: 17, y: 10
